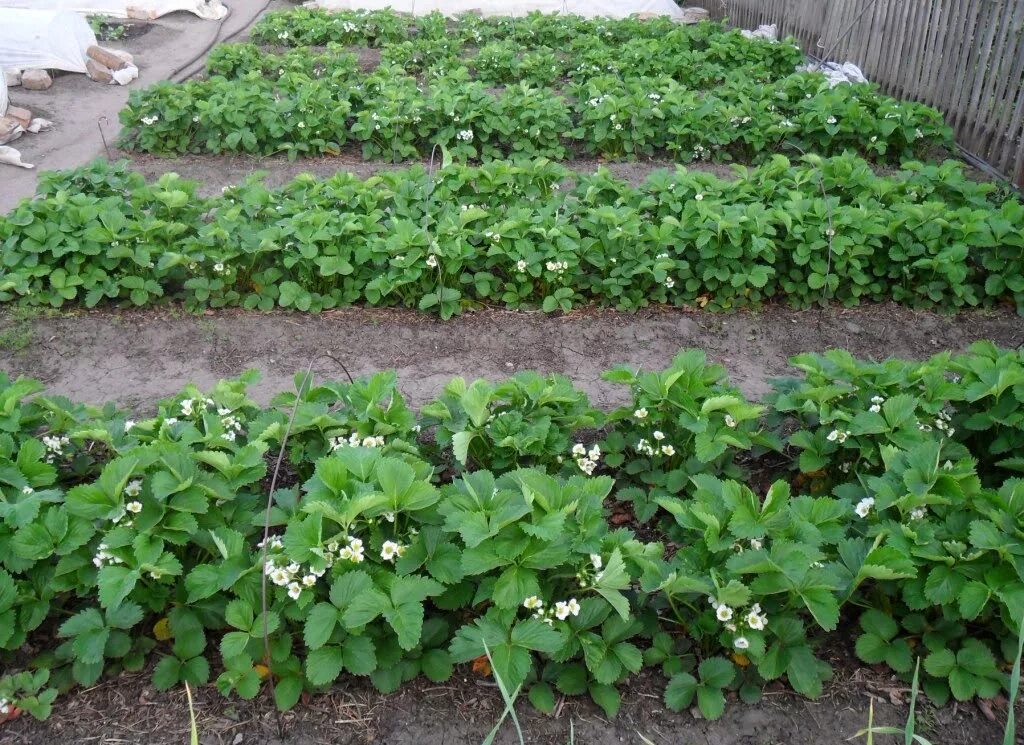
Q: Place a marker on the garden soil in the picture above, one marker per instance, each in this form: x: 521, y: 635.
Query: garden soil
x: 137, y: 357
x: 463, y: 711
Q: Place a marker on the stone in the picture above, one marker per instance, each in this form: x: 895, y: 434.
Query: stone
x: 39, y: 125
x: 10, y: 129
x: 12, y: 78
x: 694, y: 15
x: 106, y: 58
x: 36, y: 80
x: 98, y: 71
x: 126, y: 56
x: 23, y: 116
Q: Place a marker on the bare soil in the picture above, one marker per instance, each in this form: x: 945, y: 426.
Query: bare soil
x: 214, y: 172
x: 463, y: 711
x: 136, y: 357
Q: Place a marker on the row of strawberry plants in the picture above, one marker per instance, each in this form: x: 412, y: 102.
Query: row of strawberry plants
x: 312, y: 27
x: 393, y: 117
x: 522, y: 235
x: 401, y: 544
x: 502, y: 63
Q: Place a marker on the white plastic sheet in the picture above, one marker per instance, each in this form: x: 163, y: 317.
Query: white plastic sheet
x: 586, y: 8
x: 213, y: 10
x: 4, y: 100
x: 766, y: 32
x: 51, y: 40
x: 837, y: 73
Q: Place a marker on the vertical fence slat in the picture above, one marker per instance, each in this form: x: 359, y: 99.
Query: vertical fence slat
x: 953, y: 53
x: 999, y: 60
x: 965, y: 57
x: 957, y: 105
x: 1006, y: 135
x: 932, y: 58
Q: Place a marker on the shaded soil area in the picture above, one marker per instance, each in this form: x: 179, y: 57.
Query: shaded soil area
x: 463, y: 711
x: 214, y: 172
x: 136, y: 357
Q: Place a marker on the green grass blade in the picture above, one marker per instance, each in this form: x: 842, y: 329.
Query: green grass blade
x: 908, y: 735
x: 510, y: 701
x: 1011, y: 718
x: 193, y: 737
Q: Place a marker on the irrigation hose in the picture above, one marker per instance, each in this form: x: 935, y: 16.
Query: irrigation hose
x: 216, y: 40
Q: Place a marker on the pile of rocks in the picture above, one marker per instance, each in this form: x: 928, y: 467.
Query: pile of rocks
x: 16, y: 121
x: 110, y: 66
x: 33, y: 80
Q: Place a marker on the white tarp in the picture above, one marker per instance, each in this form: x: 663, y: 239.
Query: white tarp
x: 835, y: 72
x: 586, y: 8
x: 766, y: 32
x: 49, y: 40
x: 4, y: 100
x: 213, y: 10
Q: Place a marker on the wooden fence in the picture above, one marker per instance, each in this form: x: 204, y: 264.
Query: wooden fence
x: 964, y: 57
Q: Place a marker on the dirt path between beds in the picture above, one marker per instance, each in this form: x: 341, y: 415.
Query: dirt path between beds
x: 137, y: 357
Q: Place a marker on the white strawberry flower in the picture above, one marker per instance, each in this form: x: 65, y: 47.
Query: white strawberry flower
x: 864, y: 506
x: 723, y: 613
x: 280, y: 577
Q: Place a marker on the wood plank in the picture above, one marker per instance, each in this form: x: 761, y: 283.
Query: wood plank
x: 958, y: 92
x: 890, y: 84
x: 1000, y: 60
x: 933, y: 51
x: 910, y: 79
x: 1011, y: 89
x: 976, y: 107
x: 953, y: 52
x: 877, y: 39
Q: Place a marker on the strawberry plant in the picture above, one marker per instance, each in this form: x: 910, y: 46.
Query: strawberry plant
x: 137, y: 539
x: 683, y: 421
x: 527, y: 420
x: 506, y: 233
